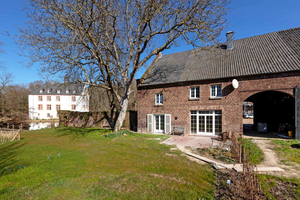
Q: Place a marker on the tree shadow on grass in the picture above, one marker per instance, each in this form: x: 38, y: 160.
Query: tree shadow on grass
x: 75, y: 132
x: 8, y: 163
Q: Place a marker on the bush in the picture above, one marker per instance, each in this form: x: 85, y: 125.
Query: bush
x: 118, y: 134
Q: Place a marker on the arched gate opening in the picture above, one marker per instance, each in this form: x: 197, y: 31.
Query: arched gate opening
x: 275, y: 109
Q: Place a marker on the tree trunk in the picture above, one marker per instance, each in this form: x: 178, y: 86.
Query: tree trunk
x: 122, y: 114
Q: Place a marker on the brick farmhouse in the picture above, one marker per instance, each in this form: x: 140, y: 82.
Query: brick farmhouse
x: 204, y: 89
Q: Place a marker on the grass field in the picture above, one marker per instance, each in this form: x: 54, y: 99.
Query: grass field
x: 289, y: 153
x: 256, y: 155
x: 75, y: 163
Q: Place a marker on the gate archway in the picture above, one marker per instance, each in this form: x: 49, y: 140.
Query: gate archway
x: 275, y: 108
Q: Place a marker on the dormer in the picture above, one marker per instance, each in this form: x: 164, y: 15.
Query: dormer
x: 48, y: 90
x: 67, y: 91
x: 41, y: 91
x: 74, y: 91
x: 58, y: 91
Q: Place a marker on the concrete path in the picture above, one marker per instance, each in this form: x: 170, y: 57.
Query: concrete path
x: 236, y: 167
x: 270, y: 163
x: 195, y: 141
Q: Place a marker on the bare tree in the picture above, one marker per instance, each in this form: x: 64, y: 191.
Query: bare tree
x: 104, y: 43
x: 5, y: 80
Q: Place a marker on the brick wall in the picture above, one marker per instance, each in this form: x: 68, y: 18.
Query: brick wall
x: 177, y: 103
x: 96, y: 119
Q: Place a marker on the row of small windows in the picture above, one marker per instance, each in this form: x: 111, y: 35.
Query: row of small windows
x: 57, y: 91
x: 58, y: 98
x: 215, y: 92
x: 49, y: 107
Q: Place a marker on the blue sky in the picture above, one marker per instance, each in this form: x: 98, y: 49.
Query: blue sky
x: 247, y: 18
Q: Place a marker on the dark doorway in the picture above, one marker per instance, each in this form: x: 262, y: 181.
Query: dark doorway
x: 276, y: 109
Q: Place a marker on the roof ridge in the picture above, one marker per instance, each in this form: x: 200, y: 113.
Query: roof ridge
x: 233, y: 41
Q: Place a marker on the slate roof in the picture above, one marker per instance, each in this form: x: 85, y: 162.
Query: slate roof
x: 269, y: 53
x: 77, y: 87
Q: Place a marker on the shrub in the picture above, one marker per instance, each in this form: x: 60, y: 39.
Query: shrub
x: 118, y: 134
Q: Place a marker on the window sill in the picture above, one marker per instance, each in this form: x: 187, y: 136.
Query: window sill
x: 213, y: 98
x: 194, y: 99
x: 158, y: 105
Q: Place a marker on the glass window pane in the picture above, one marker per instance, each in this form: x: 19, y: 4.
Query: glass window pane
x: 218, y: 111
x: 219, y: 90
x: 162, y: 122
x: 194, y: 124
x: 192, y: 92
x: 218, y: 124
x: 197, y: 92
x: 161, y: 98
x: 157, y: 122
x: 213, y: 91
x: 209, y: 124
x: 201, y: 123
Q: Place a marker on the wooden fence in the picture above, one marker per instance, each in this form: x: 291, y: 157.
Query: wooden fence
x: 7, y: 135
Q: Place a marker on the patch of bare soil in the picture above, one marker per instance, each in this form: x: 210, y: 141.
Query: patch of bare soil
x: 280, y: 190
x: 271, y: 160
x: 284, y: 190
x: 224, y: 190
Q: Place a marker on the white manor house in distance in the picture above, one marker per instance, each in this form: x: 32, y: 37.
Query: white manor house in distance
x: 44, y: 102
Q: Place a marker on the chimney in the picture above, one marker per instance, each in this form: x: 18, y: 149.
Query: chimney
x: 229, y: 37
x: 67, y: 79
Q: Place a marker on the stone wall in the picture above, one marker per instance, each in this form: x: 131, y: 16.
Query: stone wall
x: 176, y: 99
x: 96, y: 119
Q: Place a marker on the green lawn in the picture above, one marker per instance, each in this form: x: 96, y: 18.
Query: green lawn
x: 75, y: 163
x: 256, y: 154
x: 289, y: 153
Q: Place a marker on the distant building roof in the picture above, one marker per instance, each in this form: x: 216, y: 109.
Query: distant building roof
x: 59, y: 89
x: 269, y: 53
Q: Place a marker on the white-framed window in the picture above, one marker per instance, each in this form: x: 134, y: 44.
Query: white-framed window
x: 159, y: 99
x: 74, y: 91
x: 57, y: 98
x: 215, y: 91
x: 207, y: 122
x: 67, y: 91
x: 195, y: 92
x: 41, y: 90
x: 40, y: 98
x: 58, y: 91
x: 49, y: 91
x: 73, y: 107
x: 159, y: 123
x: 40, y: 106
x: 73, y: 98
x: 48, y: 98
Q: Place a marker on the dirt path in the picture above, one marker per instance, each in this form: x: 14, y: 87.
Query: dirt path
x: 271, y: 159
